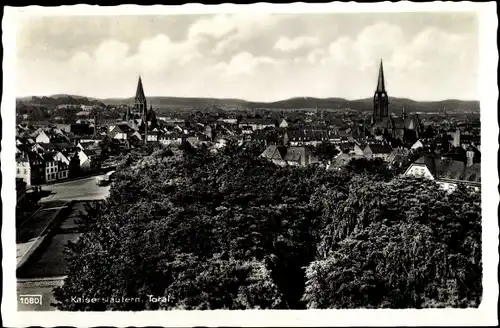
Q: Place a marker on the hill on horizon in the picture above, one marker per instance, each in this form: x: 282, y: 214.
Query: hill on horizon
x: 395, y: 104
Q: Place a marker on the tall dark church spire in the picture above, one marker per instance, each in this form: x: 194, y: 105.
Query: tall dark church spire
x: 140, y: 102
x: 381, y: 80
x: 380, y: 98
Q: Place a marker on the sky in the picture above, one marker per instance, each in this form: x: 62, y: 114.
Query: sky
x: 257, y: 56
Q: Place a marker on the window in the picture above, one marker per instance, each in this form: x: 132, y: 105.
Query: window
x: 18, y: 171
x: 25, y: 171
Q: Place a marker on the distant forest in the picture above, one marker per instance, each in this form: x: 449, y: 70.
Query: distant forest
x: 59, y: 100
x: 451, y: 105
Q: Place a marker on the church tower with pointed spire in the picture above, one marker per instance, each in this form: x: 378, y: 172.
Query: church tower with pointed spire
x: 140, y: 102
x: 380, y: 98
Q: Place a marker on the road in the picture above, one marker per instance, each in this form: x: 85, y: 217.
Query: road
x: 30, y: 230
x: 82, y: 189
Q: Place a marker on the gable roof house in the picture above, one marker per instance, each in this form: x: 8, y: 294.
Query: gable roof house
x: 283, y: 123
x: 293, y: 156
x: 125, y: 133
x: 448, y: 173
x: 42, y: 137
x: 51, y: 165
x: 85, y: 160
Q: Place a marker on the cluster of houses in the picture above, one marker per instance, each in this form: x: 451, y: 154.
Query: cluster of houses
x: 50, y: 154
x: 449, y: 163
x: 450, y: 150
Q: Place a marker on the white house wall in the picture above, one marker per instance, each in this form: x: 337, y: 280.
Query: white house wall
x: 24, y: 172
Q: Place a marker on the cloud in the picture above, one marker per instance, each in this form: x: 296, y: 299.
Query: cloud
x: 110, y: 53
x: 256, y: 57
x: 159, y: 52
x: 153, y: 54
x: 244, y: 63
x: 290, y: 44
x: 230, y: 31
x: 431, y: 46
x: 426, y: 63
x: 341, y: 51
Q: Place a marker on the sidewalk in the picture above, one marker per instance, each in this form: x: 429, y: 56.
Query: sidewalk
x: 32, y: 233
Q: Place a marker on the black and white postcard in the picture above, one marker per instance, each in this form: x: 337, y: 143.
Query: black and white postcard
x: 249, y: 165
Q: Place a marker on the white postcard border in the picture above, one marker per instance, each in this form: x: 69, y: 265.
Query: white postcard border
x: 485, y: 315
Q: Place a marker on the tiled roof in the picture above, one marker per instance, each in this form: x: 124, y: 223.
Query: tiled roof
x: 308, y: 135
x: 125, y: 128
x: 62, y: 145
x: 275, y: 152
x: 451, y: 169
x: 295, y: 154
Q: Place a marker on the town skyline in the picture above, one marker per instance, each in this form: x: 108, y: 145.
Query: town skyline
x: 308, y: 55
x: 280, y: 158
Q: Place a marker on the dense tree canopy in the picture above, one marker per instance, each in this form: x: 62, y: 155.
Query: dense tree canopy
x: 230, y: 230
x: 398, y: 244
